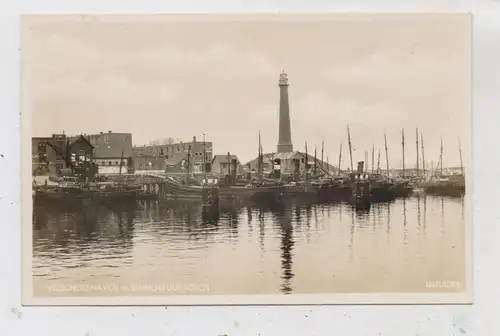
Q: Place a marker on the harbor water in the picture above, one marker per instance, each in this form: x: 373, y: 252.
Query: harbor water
x: 169, y: 248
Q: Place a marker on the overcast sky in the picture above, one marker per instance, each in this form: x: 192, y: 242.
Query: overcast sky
x: 165, y: 76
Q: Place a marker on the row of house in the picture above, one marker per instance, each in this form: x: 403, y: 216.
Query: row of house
x: 114, y: 153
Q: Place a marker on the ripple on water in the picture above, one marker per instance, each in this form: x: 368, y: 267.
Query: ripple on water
x: 291, y: 248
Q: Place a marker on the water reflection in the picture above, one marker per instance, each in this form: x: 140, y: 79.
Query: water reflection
x: 283, y: 216
x: 275, y: 248
x: 405, y: 223
x: 72, y: 232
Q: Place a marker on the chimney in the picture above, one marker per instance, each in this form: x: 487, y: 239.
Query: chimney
x: 109, y: 131
x: 102, y: 133
x: 361, y: 167
x: 194, y: 139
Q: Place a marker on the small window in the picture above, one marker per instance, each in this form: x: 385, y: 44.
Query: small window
x: 109, y: 163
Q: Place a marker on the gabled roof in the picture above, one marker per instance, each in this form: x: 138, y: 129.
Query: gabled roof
x: 223, y: 158
x: 82, y: 138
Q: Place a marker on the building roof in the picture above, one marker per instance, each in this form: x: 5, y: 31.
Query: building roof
x: 223, y: 158
x: 80, y: 138
x: 289, y: 155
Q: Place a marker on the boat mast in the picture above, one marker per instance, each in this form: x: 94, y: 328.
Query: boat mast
x: 204, y: 159
x: 259, y: 160
x: 423, y: 157
x: 460, y: 152
x: 350, y: 148
x: 378, y: 163
x: 418, y: 157
x: 340, y: 159
x: 188, y: 164
x: 373, y: 157
x: 386, y: 155
x: 403, y: 148
x: 441, y: 158
x: 121, y: 164
x: 262, y: 162
x: 315, y: 162
x: 322, y: 151
x: 366, y: 162
x: 306, y: 168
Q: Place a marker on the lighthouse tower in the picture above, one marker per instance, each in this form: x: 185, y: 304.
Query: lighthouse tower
x: 285, y: 132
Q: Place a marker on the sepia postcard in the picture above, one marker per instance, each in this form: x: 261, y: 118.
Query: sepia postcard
x: 246, y: 159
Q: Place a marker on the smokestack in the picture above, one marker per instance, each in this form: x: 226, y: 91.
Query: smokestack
x: 361, y: 165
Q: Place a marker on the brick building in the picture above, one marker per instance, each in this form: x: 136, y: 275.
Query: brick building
x: 52, y: 155
x: 173, y: 157
x: 112, y: 151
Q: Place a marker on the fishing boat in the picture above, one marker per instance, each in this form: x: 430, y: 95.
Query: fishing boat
x: 70, y: 189
x: 178, y: 190
x: 402, y: 187
x: 361, y: 195
x: 452, y: 186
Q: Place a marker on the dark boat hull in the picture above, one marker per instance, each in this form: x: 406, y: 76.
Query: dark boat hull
x: 447, y: 190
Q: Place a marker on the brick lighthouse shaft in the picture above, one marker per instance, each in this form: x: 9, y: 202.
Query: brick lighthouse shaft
x: 285, y: 133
